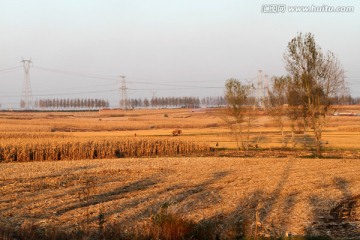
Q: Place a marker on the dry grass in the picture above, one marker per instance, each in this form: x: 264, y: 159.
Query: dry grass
x: 288, y: 194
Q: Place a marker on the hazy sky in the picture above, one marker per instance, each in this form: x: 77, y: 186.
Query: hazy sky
x: 163, y: 47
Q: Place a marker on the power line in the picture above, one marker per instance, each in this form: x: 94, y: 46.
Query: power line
x: 87, y: 86
x: 61, y: 89
x: 78, y: 74
x: 105, y: 91
x: 9, y: 69
x: 109, y: 78
x: 161, y: 89
x: 63, y: 94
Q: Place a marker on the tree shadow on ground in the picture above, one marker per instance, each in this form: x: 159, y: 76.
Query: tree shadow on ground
x: 250, y: 217
x: 194, y: 194
x: 253, y: 215
x: 256, y: 209
x: 88, y: 199
x: 339, y: 219
x: 33, y: 185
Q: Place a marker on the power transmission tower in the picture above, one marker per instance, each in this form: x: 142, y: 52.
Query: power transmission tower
x: 26, y: 98
x: 153, y: 94
x: 259, y: 90
x: 123, y: 93
x: 266, y: 92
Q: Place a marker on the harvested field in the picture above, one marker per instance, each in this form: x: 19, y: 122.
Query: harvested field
x: 282, y: 196
x: 203, y: 126
x: 266, y: 191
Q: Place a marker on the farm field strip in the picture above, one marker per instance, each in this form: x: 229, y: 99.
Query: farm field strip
x: 296, y: 191
x: 214, y: 137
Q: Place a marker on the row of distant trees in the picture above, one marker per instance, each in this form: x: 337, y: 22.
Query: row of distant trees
x: 164, y: 102
x: 161, y: 102
x: 175, y: 102
x: 75, y: 103
x: 214, y: 101
x: 347, y: 100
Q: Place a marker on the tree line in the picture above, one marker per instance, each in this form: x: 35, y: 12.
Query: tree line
x: 160, y: 102
x: 75, y: 103
x: 347, y: 100
x: 176, y: 102
x: 213, y: 101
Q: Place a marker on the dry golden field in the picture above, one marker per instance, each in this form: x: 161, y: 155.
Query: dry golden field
x: 266, y: 191
x: 288, y: 194
x: 203, y: 126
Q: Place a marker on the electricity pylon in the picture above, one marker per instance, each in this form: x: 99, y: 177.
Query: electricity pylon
x: 123, y: 94
x: 259, y: 91
x: 26, y: 98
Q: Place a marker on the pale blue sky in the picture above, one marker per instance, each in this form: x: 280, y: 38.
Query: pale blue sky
x: 163, y: 47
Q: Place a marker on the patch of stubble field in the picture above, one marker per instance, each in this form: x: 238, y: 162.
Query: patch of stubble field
x: 287, y: 194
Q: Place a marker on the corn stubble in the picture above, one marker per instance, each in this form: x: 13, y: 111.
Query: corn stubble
x: 72, y: 149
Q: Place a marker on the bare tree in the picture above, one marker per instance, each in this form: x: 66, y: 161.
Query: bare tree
x: 318, y: 78
x: 277, y: 100
x: 236, y: 95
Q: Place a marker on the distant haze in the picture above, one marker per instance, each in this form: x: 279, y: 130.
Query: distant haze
x: 79, y: 48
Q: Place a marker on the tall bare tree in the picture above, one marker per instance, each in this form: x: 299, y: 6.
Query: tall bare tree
x: 236, y: 95
x: 277, y: 100
x: 318, y: 78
